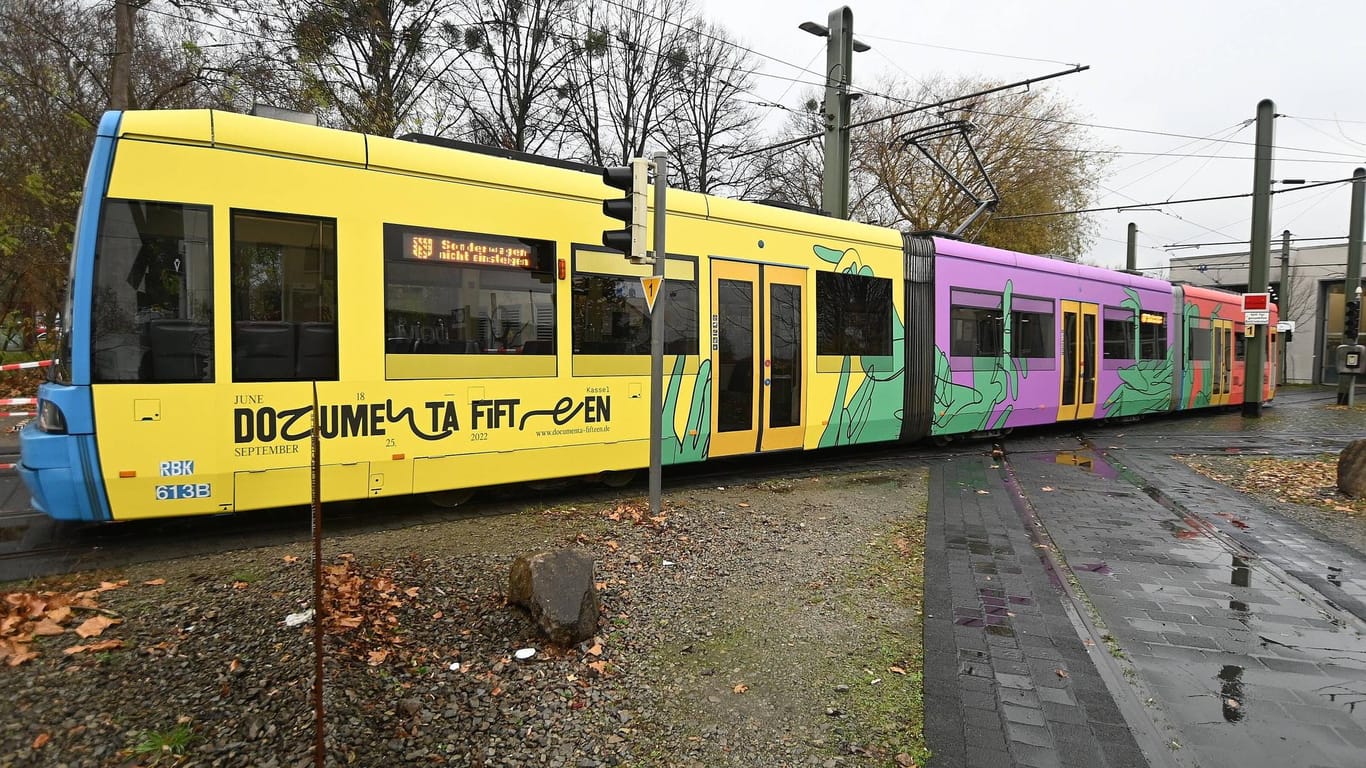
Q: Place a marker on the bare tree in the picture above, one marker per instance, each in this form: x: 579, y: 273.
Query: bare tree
x: 628, y: 63
x: 514, y: 55
x: 369, y: 65
x: 712, y: 118
x: 55, y: 81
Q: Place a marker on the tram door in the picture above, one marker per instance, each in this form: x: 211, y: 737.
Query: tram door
x: 1080, y: 344
x: 1221, y: 368
x: 757, y: 333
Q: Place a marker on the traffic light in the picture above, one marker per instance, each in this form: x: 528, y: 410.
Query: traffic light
x: 1352, y: 323
x: 633, y: 179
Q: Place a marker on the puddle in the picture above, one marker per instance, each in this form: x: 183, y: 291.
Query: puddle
x: 1231, y: 693
x: 1232, y: 518
x: 1087, y: 462
x: 1179, y: 531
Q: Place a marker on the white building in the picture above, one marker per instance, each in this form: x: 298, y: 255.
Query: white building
x: 1314, y: 302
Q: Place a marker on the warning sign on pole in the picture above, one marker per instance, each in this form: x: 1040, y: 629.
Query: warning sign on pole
x: 1256, y: 308
x: 651, y: 286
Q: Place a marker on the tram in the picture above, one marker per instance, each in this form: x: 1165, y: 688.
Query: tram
x: 461, y: 327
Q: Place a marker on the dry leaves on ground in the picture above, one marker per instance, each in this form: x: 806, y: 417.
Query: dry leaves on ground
x: 25, y: 615
x: 1291, y: 480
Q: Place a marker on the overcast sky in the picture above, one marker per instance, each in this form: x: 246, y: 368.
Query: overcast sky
x: 1191, y: 67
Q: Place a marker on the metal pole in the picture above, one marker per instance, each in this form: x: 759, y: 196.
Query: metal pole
x: 1351, y: 289
x: 661, y: 162
x: 1259, y: 268
x: 1131, y: 254
x: 839, y: 56
x: 1283, y: 297
x: 315, y: 472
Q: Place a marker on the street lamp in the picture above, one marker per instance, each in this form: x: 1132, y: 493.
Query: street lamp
x: 839, y: 48
x: 820, y: 30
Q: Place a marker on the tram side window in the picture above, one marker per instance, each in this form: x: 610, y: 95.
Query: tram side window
x: 1202, y: 343
x: 853, y: 314
x: 1239, y: 342
x: 1031, y: 328
x: 153, y: 304
x: 610, y: 316
x: 1152, y: 336
x: 1119, y: 334
x: 284, y: 297
x: 452, y: 293
x: 976, y: 324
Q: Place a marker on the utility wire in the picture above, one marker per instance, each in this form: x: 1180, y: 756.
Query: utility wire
x: 968, y: 50
x: 1168, y: 202
x: 1273, y: 241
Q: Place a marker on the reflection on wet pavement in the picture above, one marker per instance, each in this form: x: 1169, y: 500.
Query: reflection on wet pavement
x: 1247, y: 665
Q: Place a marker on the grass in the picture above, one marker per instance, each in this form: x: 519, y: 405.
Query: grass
x: 158, y: 744
x: 888, y: 708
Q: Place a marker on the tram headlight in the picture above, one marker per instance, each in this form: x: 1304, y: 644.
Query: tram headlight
x: 50, y: 418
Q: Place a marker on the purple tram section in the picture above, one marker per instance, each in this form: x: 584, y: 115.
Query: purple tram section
x: 1021, y: 340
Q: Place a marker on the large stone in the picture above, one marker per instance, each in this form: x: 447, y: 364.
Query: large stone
x: 1352, y: 469
x: 557, y: 588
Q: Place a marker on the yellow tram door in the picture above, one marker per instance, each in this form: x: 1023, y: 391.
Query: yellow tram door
x: 757, y: 335
x: 1221, y: 369
x: 1080, y: 354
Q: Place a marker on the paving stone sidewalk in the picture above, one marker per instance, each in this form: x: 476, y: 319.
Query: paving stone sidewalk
x: 1237, y: 634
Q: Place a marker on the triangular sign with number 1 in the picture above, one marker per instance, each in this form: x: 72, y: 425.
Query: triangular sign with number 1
x: 651, y: 286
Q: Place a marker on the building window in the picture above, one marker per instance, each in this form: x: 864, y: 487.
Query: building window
x: 610, y: 317
x: 448, y: 293
x: 284, y: 297
x: 853, y: 314
x: 153, y: 305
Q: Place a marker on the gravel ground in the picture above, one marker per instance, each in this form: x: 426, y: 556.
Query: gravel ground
x: 772, y: 624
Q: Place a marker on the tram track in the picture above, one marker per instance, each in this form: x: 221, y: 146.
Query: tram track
x: 32, y: 545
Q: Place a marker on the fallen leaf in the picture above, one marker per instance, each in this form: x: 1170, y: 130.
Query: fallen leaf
x: 378, y: 657
x: 234, y: 665
x: 96, y: 625
x: 290, y: 559
x: 154, y: 582
x: 437, y: 615
x: 743, y: 505
x: 41, y: 739
x: 59, y: 615
x: 598, y: 666
x: 103, y: 645
x: 1048, y: 488
x: 240, y: 585
x: 613, y: 545
x: 897, y: 670
x: 596, y: 650
x: 47, y: 628
x: 983, y: 492
x: 1061, y: 672
x: 740, y: 688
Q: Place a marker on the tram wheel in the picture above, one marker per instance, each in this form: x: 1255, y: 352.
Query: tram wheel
x: 450, y: 499
x: 619, y: 478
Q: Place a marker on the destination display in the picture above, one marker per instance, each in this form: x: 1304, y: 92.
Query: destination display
x: 461, y: 248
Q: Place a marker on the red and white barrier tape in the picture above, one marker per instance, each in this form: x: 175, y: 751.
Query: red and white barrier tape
x: 9, y: 466
x: 17, y: 414
x: 22, y: 366
x: 18, y: 401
